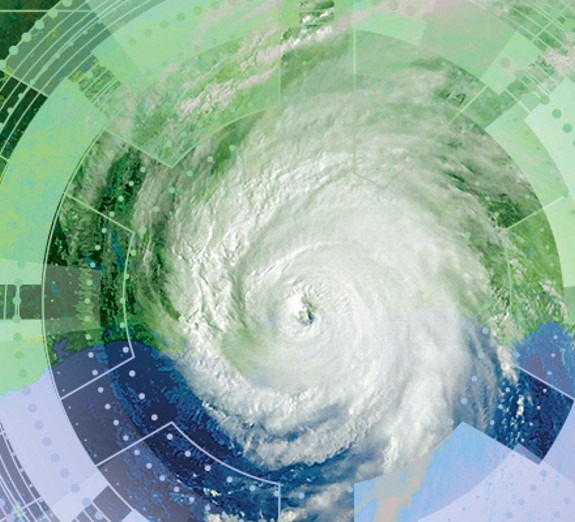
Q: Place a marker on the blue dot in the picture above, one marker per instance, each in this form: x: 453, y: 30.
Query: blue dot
x: 350, y: 490
x: 464, y: 401
x: 301, y: 495
x: 474, y: 378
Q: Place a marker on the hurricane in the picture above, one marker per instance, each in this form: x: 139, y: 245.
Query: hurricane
x: 330, y: 275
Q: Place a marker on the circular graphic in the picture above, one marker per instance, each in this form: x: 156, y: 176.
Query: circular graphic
x: 288, y: 261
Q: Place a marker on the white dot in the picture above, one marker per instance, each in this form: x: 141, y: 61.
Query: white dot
x: 192, y: 500
x: 91, y: 355
x: 162, y: 478
x: 149, y: 465
x: 116, y: 422
x: 125, y: 437
x: 154, y: 417
x: 107, y: 406
x: 94, y: 372
x: 169, y: 436
x: 132, y: 373
x: 137, y: 452
x: 188, y: 453
x: 229, y: 480
x: 207, y: 467
x: 252, y: 488
x: 100, y: 390
x: 176, y: 489
x: 142, y: 396
x: 125, y: 349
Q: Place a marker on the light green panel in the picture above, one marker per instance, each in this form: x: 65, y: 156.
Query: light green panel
x: 465, y: 34
x: 14, y: 272
x: 37, y: 175
x: 569, y: 299
x: 373, y: 56
x: 409, y: 29
x: 177, y: 30
x: 111, y: 54
x: 516, y: 55
x: 22, y: 355
x: 289, y: 13
x: 524, y: 147
x: 561, y: 217
x: 553, y: 124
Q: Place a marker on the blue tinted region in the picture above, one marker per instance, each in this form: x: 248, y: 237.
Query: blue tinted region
x: 530, y: 414
x: 367, y: 513
x: 461, y: 461
x: 548, y: 353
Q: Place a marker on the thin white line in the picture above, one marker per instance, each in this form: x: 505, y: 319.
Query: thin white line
x: 86, y: 205
x: 545, y: 382
x: 7, y: 491
x: 91, y: 381
x: 221, y: 461
x: 176, y: 428
x: 17, y: 492
x: 108, y: 459
x: 536, y: 212
x: 279, y: 502
x: 124, y: 501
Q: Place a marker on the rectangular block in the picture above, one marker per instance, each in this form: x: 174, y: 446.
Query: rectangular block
x: 466, y: 34
x: 553, y: 124
x: 515, y: 55
x: 523, y: 146
x: 111, y: 505
x: 561, y: 217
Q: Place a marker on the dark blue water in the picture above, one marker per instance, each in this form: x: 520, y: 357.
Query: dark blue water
x: 182, y: 481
